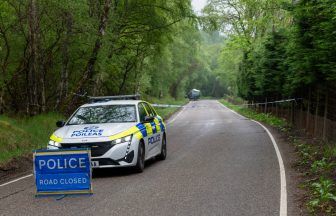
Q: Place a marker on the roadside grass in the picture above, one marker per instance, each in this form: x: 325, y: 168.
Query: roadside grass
x: 19, y: 136
x: 208, y: 98
x: 262, y: 117
x: 166, y: 112
x: 317, y: 162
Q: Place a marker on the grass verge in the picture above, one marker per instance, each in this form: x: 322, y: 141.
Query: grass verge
x: 19, y: 136
x: 317, y: 162
x: 262, y: 117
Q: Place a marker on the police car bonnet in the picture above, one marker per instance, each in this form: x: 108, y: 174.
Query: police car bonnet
x: 91, y: 131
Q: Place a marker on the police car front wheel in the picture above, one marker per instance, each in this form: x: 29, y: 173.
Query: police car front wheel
x: 140, y: 165
x: 163, y: 154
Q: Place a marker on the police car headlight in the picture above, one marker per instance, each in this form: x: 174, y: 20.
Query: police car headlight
x: 53, y: 143
x: 122, y: 140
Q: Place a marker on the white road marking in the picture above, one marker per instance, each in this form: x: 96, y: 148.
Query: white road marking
x: 283, y: 197
x: 283, y: 186
x: 15, y: 180
x: 177, y: 115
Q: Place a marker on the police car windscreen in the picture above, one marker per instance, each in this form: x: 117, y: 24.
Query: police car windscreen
x: 104, y: 114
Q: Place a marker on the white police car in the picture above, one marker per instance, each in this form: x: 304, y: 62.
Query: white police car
x: 120, y: 133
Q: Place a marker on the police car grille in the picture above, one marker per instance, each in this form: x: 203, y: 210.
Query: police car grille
x: 97, y: 149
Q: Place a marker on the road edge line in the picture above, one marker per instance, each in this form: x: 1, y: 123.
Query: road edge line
x: 283, y: 184
x: 175, y: 117
x: 15, y: 180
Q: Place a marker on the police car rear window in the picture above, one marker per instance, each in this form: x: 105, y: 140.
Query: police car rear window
x: 104, y: 114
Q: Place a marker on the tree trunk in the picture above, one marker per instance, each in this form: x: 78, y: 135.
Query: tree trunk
x: 136, y: 89
x: 128, y: 68
x: 32, y: 84
x: 42, y: 92
x: 64, y: 83
x: 316, y: 112
x: 308, y: 111
x: 89, y: 69
x: 97, y: 85
x: 2, y: 103
x: 4, y: 65
x: 325, y: 118
x: 214, y: 87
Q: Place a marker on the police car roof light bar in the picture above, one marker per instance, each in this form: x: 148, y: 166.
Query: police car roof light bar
x: 117, y: 97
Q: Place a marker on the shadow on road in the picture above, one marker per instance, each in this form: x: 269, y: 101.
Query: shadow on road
x: 119, y: 172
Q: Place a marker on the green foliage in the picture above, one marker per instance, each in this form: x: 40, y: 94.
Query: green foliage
x: 310, y: 58
x: 323, y: 165
x: 263, y: 71
x: 246, y: 19
x: 324, y: 193
x: 319, y: 159
x: 284, y: 48
x: 103, y: 47
x: 329, y: 151
x: 207, y: 76
x: 308, y: 153
x: 19, y: 136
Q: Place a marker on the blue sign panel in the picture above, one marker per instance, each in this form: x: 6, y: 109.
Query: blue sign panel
x: 62, y: 171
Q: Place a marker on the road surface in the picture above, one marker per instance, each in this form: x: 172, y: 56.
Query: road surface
x: 218, y: 163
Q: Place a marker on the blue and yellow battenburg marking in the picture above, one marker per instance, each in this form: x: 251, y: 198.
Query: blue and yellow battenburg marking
x: 143, y: 130
x: 153, y: 127
x: 162, y: 125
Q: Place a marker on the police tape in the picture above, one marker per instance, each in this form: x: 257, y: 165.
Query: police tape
x: 166, y: 105
x: 270, y: 102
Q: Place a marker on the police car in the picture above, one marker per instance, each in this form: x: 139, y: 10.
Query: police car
x: 121, y: 131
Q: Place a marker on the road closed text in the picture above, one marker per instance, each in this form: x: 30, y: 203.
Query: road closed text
x: 63, y: 181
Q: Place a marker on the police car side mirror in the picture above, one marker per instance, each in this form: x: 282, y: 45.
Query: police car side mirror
x: 60, y: 123
x: 148, y: 119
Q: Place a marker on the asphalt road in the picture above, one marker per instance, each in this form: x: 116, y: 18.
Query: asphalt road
x: 218, y: 164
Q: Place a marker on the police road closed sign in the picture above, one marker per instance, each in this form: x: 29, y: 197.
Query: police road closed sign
x: 62, y: 171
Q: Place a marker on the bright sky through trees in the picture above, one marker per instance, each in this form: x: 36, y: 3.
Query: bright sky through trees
x: 198, y: 5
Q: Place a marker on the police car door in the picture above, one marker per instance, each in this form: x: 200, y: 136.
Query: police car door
x: 149, y: 132
x: 155, y: 141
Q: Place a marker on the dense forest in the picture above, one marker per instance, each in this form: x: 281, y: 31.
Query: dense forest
x: 52, y: 51
x: 276, y: 48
